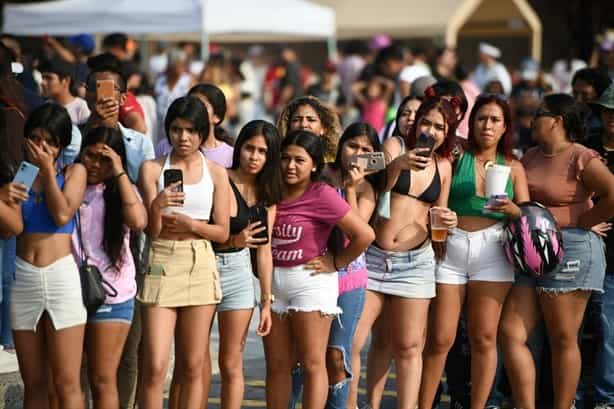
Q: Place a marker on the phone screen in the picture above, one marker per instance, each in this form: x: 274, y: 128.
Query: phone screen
x: 173, y: 175
x: 260, y: 214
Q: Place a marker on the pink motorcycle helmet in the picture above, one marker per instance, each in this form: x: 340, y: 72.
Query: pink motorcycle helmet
x: 533, y: 242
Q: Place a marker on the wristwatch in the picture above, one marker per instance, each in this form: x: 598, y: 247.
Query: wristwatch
x: 268, y: 297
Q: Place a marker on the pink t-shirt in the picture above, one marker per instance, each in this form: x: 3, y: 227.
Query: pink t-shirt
x: 92, y: 231
x: 303, y: 225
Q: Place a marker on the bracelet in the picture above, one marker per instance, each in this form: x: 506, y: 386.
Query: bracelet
x: 120, y: 175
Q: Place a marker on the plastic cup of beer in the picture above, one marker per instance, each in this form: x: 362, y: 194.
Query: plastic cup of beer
x: 439, y: 231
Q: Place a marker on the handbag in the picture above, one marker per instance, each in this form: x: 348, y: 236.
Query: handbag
x: 93, y: 285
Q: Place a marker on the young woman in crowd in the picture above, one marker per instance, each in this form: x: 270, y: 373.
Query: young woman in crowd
x: 310, y: 114
x: 255, y: 179
x: 305, y: 282
x: 379, y: 356
x: 111, y: 208
x: 181, y: 286
x: 401, y: 261
x: 475, y: 268
x: 358, y: 190
x: 47, y: 312
x: 563, y: 176
x: 217, y: 145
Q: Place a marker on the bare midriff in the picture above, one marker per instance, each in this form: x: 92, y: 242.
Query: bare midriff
x: 43, y: 249
x: 407, y: 227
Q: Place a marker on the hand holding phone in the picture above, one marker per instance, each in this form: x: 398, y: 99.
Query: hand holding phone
x: 105, y: 89
x: 26, y: 173
x: 425, y: 143
x: 260, y: 214
x: 373, y: 161
x: 493, y: 201
x: 174, y: 198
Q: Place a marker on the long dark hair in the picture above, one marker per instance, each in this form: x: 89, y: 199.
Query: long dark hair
x: 572, y: 112
x: 313, y: 145
x: 446, y: 108
x: 506, y: 143
x: 217, y: 100
x: 397, y: 131
x: 268, y: 180
x: 113, y: 213
x: 353, y: 131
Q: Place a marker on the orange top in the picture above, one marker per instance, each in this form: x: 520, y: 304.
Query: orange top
x: 556, y: 181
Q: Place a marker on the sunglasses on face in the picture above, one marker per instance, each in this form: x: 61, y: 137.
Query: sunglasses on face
x: 540, y: 112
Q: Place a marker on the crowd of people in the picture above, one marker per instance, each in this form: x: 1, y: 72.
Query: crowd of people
x: 190, y: 204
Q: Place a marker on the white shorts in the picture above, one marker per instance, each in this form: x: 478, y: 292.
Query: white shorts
x: 475, y: 256
x: 55, y: 288
x: 295, y: 289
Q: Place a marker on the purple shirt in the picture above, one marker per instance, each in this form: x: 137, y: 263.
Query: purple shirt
x: 222, y: 155
x: 303, y: 225
x: 92, y: 231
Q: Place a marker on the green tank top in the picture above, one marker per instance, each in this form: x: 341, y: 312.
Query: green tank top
x: 463, y: 199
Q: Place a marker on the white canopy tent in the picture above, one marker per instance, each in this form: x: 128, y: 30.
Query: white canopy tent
x: 248, y: 19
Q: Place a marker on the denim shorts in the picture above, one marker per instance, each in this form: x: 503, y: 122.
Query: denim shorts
x: 342, y: 330
x: 409, y: 274
x: 122, y: 312
x: 582, y: 268
x: 235, y: 269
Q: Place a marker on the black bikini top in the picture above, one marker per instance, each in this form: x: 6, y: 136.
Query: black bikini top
x: 430, y: 194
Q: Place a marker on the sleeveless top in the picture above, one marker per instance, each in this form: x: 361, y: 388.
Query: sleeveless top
x: 36, y: 216
x: 403, y: 183
x: 198, y: 197
x: 463, y: 198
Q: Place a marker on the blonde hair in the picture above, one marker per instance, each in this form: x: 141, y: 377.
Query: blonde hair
x: 328, y: 116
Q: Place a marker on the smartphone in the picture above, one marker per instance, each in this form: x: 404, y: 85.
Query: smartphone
x: 492, y: 201
x: 425, y: 141
x: 26, y: 173
x: 104, y: 89
x: 369, y: 161
x: 171, y: 176
x: 261, y: 214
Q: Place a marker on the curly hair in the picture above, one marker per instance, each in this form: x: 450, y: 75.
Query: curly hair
x: 328, y: 117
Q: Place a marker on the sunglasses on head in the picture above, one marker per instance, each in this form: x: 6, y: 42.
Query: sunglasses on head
x: 489, y: 95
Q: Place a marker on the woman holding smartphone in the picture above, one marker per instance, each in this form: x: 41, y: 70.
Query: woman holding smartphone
x: 305, y: 282
x: 401, y: 262
x: 475, y: 268
x: 110, y: 209
x: 255, y: 179
x: 181, y: 286
x: 47, y: 312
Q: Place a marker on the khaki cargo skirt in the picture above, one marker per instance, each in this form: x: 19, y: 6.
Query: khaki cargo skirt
x: 180, y: 274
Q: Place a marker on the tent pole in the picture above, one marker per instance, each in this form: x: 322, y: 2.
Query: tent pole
x: 331, y: 43
x: 204, y: 34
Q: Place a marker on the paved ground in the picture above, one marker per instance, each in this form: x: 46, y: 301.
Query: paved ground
x: 11, y: 389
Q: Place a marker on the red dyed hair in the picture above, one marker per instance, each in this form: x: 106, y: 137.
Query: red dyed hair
x: 506, y: 143
x: 446, y: 109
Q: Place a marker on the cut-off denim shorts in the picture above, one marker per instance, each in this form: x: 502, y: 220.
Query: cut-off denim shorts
x: 582, y: 268
x: 408, y: 274
x: 122, y: 313
x: 235, y: 269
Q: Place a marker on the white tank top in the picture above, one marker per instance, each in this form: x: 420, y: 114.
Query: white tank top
x: 198, y: 197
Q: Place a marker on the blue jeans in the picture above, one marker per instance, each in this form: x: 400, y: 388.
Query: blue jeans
x: 8, y: 272
x: 603, y: 375
x: 341, y: 338
x: 600, y: 315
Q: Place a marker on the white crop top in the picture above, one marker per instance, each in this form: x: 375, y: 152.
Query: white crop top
x: 198, y: 197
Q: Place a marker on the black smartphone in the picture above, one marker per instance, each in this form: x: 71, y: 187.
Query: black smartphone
x: 261, y: 214
x: 171, y: 176
x: 425, y: 141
